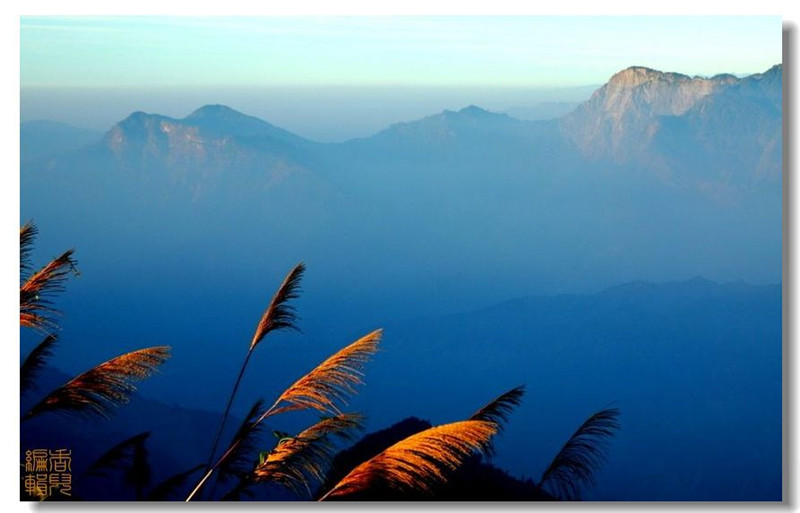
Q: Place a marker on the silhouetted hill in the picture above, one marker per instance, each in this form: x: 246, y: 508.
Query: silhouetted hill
x: 693, y: 365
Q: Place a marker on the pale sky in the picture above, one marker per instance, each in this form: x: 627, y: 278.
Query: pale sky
x: 516, y: 51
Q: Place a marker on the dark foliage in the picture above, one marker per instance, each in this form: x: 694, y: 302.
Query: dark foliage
x: 173, y: 488
x: 129, y: 458
x: 242, y: 459
x: 580, y: 456
x: 34, y: 363
x: 499, y: 409
x: 26, y: 236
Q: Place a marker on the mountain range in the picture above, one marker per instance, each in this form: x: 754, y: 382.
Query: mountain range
x: 638, y: 115
x: 656, y: 176
x: 184, y: 227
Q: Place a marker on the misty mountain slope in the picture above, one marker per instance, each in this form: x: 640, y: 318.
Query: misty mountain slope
x: 214, y: 150
x: 620, y: 118
x: 41, y: 138
x: 224, y: 121
x: 465, y: 142
x: 203, y: 148
x: 184, y: 179
x: 694, y: 366
x: 470, y: 168
x: 542, y: 110
x: 749, y: 112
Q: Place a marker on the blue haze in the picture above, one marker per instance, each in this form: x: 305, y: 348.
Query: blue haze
x: 494, y: 251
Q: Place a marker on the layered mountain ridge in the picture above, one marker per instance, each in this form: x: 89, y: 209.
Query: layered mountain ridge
x: 676, y: 128
x: 652, y: 165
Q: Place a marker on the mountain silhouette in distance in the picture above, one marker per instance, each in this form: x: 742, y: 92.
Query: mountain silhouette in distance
x: 42, y: 138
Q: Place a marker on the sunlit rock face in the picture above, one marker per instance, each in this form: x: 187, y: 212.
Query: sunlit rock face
x: 714, y: 134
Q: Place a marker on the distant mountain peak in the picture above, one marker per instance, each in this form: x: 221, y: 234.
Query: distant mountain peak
x: 448, y: 125
x: 136, y: 117
x: 216, y: 111
x: 474, y: 110
x: 139, y: 122
x: 471, y: 114
x: 621, y: 119
x: 470, y: 111
x: 635, y: 76
x: 212, y: 137
x: 775, y: 72
x: 221, y: 121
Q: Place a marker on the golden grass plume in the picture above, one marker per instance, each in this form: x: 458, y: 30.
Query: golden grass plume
x: 322, y: 389
x: 332, y: 381
x: 419, y: 462
x: 34, y: 306
x: 300, y: 461
x: 108, y: 385
x: 27, y: 233
x: 280, y: 314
